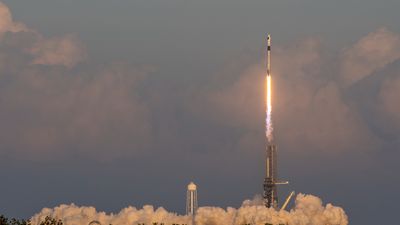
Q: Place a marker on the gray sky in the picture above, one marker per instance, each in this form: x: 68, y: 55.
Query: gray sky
x: 116, y: 103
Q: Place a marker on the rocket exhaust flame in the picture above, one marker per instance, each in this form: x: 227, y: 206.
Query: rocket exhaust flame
x: 268, y: 110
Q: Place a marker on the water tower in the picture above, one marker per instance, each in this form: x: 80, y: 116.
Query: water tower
x: 191, y: 199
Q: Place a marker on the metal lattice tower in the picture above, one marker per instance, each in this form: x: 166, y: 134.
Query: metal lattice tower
x: 270, y: 181
x: 191, y: 199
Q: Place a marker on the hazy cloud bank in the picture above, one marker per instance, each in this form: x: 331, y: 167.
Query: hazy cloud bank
x: 370, y: 53
x: 49, y: 109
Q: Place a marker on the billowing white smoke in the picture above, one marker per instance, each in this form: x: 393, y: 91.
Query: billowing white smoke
x: 308, y: 210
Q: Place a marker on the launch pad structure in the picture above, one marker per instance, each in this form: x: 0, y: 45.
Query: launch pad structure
x: 270, y: 194
x: 270, y: 180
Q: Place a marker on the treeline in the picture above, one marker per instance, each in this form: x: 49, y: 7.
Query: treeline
x: 47, y: 221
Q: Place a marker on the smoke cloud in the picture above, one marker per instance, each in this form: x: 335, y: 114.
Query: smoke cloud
x: 308, y: 209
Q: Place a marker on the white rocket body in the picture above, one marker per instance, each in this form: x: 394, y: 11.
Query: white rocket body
x: 269, y: 55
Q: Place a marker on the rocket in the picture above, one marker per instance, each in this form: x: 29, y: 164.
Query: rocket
x: 268, y: 55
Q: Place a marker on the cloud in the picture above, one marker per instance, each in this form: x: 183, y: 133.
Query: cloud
x: 48, y: 111
x: 67, y: 51
x: 240, y: 100
x: 389, y: 96
x: 237, y: 102
x: 64, y: 50
x: 308, y: 209
x: 309, y: 109
x: 6, y: 21
x: 324, y: 122
x: 369, y: 54
x: 49, y: 114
